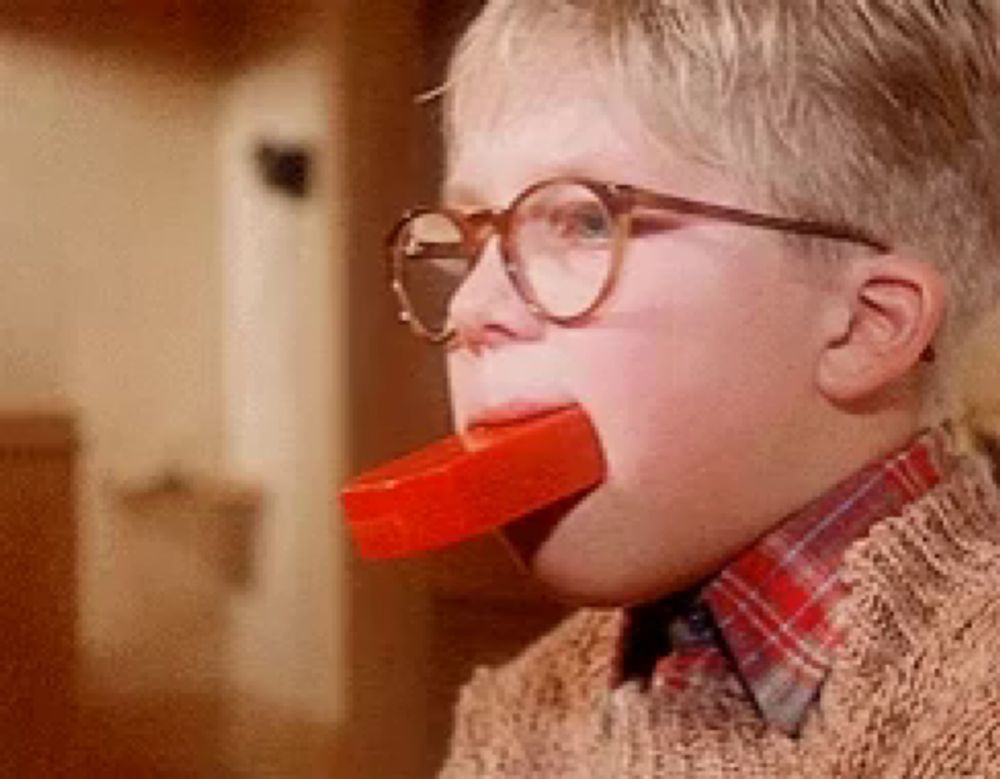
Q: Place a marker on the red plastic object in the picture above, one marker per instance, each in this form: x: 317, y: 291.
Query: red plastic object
x: 463, y: 486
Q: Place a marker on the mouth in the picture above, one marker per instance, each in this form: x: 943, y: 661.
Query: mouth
x: 510, y: 412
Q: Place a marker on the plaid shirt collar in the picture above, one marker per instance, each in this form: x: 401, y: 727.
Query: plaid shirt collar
x: 766, y: 615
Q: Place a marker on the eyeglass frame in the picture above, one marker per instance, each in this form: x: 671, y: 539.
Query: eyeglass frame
x: 620, y: 201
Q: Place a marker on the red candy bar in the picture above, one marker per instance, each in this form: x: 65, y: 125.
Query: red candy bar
x: 465, y: 485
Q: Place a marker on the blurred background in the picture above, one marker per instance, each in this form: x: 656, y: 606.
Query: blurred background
x: 196, y: 348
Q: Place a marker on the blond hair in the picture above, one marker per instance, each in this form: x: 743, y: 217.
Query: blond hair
x: 881, y: 114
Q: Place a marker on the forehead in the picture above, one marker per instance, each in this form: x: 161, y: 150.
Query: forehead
x: 558, y: 104
x: 561, y: 137
x: 527, y: 102
x: 504, y: 139
x: 573, y: 130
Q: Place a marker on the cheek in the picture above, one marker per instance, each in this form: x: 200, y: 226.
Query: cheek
x: 633, y: 388
x: 669, y: 397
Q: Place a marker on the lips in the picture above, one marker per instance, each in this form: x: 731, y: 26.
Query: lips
x: 511, y: 411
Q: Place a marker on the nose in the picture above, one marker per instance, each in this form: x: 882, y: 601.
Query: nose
x: 487, y: 311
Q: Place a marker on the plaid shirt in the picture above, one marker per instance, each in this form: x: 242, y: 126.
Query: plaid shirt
x: 766, y: 615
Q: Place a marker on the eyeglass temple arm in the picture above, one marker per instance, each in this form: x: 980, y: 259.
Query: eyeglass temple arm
x: 806, y: 227
x: 800, y: 227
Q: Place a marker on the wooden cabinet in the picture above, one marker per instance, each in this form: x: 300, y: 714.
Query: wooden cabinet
x: 37, y: 591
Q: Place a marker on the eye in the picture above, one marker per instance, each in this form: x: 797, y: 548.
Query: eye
x: 580, y: 221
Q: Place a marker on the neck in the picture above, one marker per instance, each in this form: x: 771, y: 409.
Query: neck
x: 839, y: 442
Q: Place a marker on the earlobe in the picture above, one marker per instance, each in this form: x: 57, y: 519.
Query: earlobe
x: 895, y: 305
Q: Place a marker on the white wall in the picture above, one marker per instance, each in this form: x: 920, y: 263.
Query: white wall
x: 281, y: 356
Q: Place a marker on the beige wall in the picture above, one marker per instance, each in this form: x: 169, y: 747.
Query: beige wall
x: 109, y: 201
x: 147, y: 280
x: 200, y: 323
x: 108, y: 204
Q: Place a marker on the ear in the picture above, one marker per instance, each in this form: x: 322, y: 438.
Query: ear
x: 890, y: 308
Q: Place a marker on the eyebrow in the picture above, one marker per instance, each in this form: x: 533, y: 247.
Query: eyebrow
x: 468, y: 195
x: 460, y: 195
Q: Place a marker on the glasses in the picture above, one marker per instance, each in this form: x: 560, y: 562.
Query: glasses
x: 561, y: 242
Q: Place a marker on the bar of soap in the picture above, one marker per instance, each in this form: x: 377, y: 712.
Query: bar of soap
x: 463, y: 486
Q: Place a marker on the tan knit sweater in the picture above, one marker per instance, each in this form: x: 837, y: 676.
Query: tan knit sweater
x: 914, y: 691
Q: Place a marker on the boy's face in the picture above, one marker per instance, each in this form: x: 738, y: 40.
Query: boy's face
x: 698, y: 372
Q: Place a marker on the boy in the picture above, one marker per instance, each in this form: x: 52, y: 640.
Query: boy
x: 748, y: 237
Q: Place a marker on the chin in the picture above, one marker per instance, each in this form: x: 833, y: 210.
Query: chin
x: 577, y: 586
x: 580, y: 568
x: 575, y: 580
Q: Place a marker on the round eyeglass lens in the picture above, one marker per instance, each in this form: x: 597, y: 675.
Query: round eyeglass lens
x: 431, y: 264
x: 562, y: 238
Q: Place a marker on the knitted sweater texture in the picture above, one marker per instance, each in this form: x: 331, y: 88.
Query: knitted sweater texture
x: 914, y: 690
